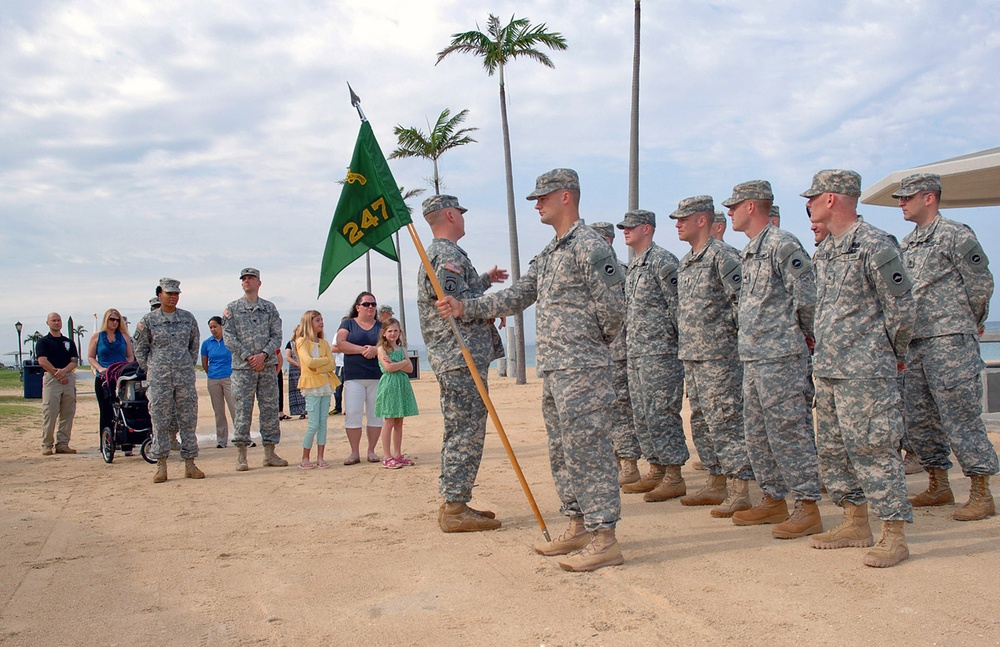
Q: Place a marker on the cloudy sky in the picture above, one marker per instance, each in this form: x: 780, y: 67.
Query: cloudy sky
x: 191, y: 139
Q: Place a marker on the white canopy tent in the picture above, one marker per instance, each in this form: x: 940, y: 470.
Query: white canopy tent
x: 971, y: 180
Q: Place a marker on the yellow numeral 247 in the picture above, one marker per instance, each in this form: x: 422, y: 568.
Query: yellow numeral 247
x: 354, y: 233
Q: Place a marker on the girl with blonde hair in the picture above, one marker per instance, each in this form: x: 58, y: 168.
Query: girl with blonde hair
x: 317, y: 382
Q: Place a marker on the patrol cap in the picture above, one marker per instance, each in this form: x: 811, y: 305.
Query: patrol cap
x: 775, y: 212
x: 438, y: 202
x: 840, y: 181
x: 557, y: 178
x: 155, y: 301
x: 914, y: 184
x: 720, y: 217
x: 250, y: 271
x: 605, y: 229
x: 638, y: 217
x: 169, y: 285
x: 385, y: 309
x: 695, y: 204
x: 752, y: 190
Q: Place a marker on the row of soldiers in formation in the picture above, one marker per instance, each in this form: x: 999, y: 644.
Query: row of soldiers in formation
x: 870, y: 332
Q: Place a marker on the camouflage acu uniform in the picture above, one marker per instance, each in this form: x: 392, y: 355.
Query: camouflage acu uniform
x: 655, y: 375
x: 167, y: 347
x: 864, y: 318
x: 574, y: 281
x: 777, y: 304
x: 248, y: 329
x: 461, y: 405
x: 708, y: 288
x: 623, y: 438
x: 952, y: 287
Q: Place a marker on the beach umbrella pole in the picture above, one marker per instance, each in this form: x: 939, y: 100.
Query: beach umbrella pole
x: 479, y: 382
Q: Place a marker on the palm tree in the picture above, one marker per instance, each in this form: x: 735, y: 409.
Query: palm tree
x: 633, y: 142
x: 444, y: 136
x: 31, y: 340
x: 496, y: 47
x: 79, y: 332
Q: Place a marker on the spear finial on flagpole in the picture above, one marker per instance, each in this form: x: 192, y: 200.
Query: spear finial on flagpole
x: 356, y: 102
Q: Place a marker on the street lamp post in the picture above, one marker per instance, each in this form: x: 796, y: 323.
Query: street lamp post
x: 18, y: 327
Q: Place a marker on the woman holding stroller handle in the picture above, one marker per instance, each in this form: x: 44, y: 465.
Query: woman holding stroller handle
x: 108, y: 345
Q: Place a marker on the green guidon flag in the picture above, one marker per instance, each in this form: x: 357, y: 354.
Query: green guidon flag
x: 369, y: 211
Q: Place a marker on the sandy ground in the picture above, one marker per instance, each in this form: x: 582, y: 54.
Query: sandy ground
x: 96, y: 554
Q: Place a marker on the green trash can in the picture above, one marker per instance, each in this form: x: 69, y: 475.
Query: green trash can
x: 31, y: 375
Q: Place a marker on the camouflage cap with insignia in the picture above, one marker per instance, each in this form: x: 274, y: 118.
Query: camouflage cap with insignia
x: 695, y: 204
x: 836, y: 180
x: 250, y: 271
x: 752, y: 190
x: 155, y: 301
x: 637, y: 217
x: 720, y: 217
x: 170, y: 285
x: 438, y: 202
x: 605, y: 229
x: 914, y: 184
x: 557, y: 178
x: 775, y: 212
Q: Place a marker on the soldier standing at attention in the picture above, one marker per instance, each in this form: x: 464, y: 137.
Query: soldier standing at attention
x: 462, y: 407
x: 623, y: 439
x: 774, y: 216
x: 864, y: 318
x: 166, y: 347
x: 575, y: 281
x: 708, y: 288
x: 252, y: 330
x: 952, y: 287
x: 655, y: 375
x: 719, y: 226
x: 777, y: 304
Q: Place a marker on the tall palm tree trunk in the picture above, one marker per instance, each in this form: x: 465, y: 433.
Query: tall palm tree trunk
x: 633, y: 142
x: 515, y: 257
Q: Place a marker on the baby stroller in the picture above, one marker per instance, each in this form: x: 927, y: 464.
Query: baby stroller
x: 131, y: 426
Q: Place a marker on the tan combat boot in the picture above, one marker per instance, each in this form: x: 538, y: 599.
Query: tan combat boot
x: 602, y: 551
x: 891, y: 548
x: 271, y: 459
x: 161, y: 470
x: 671, y: 487
x: 455, y: 516
x: 241, y: 459
x: 852, y: 532
x: 573, y: 538
x: 628, y: 471
x: 191, y: 470
x: 980, y: 504
x: 911, y: 465
x: 938, y: 490
x: 737, y: 499
x: 767, y: 511
x: 648, y: 482
x: 804, y: 520
x: 713, y: 493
